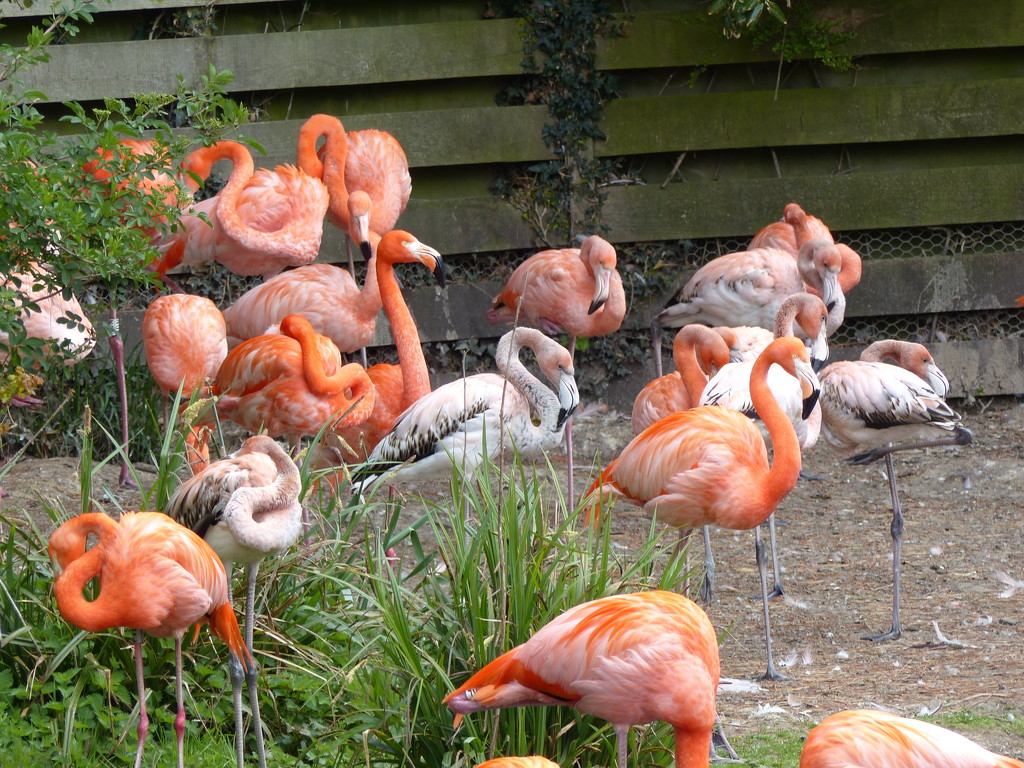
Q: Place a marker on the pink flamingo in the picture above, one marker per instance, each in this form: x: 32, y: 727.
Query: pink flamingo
x: 577, y: 291
x: 709, y: 465
x: 871, y: 737
x: 629, y: 659
x: 746, y: 288
x: 871, y: 409
x: 260, y: 222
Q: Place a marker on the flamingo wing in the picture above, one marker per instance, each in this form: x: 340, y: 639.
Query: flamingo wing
x: 376, y: 164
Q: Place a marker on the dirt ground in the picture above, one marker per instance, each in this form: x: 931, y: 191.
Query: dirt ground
x: 962, y: 542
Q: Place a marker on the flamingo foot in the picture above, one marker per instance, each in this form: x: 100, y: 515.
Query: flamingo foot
x: 893, y: 634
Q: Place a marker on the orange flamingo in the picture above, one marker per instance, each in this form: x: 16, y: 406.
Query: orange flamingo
x: 730, y: 388
x: 747, y: 287
x: 367, y: 161
x: 795, y: 228
x: 530, y: 761
x: 245, y: 506
x: 698, y: 351
x: 577, y: 291
x: 155, y: 576
x: 324, y: 294
x: 260, y: 222
x: 870, y: 737
x: 871, y: 409
x: 396, y: 387
x: 57, y: 316
x: 709, y: 465
x: 628, y: 659
x: 291, y: 384
x: 472, y: 419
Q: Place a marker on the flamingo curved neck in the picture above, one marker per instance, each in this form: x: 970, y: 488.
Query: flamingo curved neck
x: 785, y: 468
x: 330, y: 168
x: 415, y: 377
x: 93, y: 616
x: 541, y: 398
x: 689, y: 368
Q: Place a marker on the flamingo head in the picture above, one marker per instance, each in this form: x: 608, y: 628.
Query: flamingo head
x: 557, y: 366
x: 398, y: 246
x: 790, y: 353
x: 600, y: 257
x: 359, y: 221
x: 820, y: 263
x: 812, y: 318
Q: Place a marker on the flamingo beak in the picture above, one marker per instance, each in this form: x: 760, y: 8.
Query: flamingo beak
x: 430, y: 258
x: 568, y: 396
x: 602, y: 286
x: 819, y: 349
x: 362, y: 230
x: 936, y: 379
x: 810, y: 388
x: 830, y: 291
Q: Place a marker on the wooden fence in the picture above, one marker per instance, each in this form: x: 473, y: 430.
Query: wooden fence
x: 924, y: 132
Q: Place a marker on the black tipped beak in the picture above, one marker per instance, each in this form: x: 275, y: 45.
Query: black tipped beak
x: 830, y: 306
x: 563, y: 416
x: 439, y: 271
x: 595, y: 305
x: 809, y: 403
x: 366, y: 249
x: 817, y: 365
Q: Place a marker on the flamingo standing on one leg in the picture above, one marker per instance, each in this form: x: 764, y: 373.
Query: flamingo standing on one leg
x: 628, y: 659
x: 324, y: 294
x: 291, y: 384
x: 577, y: 291
x: 868, y: 737
x: 730, y: 388
x: 154, y: 576
x: 472, y: 419
x: 709, y: 465
x: 396, y: 387
x: 747, y: 287
x: 872, y: 409
x: 245, y: 506
x: 260, y: 222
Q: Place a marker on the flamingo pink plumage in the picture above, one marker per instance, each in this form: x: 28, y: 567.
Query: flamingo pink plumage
x: 747, y: 288
x: 324, y: 294
x: 629, y: 659
x: 291, y: 384
x: 868, y: 737
x: 872, y: 409
x: 260, y: 222
x: 155, y: 576
x: 369, y: 161
x: 698, y: 351
x: 709, y: 465
x: 185, y: 340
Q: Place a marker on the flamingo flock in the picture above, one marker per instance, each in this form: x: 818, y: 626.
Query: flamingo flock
x: 275, y: 364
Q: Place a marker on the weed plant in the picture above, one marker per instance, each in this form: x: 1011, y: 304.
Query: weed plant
x: 356, y: 652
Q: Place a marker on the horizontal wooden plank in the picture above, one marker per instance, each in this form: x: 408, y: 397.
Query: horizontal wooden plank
x: 13, y: 9
x: 929, y: 197
x: 812, y: 116
x: 436, y: 51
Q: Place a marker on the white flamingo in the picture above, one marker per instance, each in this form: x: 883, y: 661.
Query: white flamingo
x: 878, y: 408
x: 472, y: 419
x: 246, y: 506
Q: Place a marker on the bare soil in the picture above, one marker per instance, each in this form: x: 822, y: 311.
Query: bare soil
x: 962, y: 541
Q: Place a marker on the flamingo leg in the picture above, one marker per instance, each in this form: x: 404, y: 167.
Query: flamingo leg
x: 352, y: 271
x: 622, y: 743
x: 656, y: 347
x: 771, y: 673
x: 719, y: 739
x: 707, y: 587
x: 250, y: 673
x: 896, y: 530
x: 143, y: 728
x: 568, y: 437
x: 117, y: 350
x: 777, y: 588
x: 179, y: 720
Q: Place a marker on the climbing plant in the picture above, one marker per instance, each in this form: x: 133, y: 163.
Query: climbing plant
x: 561, y: 197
